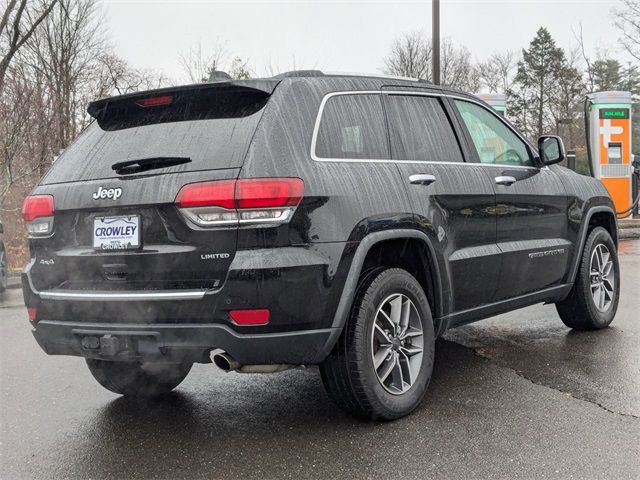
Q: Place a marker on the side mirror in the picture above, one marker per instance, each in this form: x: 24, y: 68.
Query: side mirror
x: 550, y: 149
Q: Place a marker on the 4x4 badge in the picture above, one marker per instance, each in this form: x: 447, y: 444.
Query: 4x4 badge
x: 113, y: 193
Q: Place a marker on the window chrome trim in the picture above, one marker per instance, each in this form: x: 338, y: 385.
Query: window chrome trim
x: 316, y: 129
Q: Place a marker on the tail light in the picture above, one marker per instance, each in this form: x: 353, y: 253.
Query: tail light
x: 37, y: 211
x: 250, y: 201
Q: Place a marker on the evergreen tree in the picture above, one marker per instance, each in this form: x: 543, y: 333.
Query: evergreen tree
x: 538, y: 75
x: 607, y: 74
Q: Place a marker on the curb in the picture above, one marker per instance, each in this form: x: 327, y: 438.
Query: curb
x: 629, y: 233
x: 14, y: 281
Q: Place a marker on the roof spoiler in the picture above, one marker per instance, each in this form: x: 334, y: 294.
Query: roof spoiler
x: 266, y: 86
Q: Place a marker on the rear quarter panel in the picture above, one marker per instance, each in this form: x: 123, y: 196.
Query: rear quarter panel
x: 343, y: 202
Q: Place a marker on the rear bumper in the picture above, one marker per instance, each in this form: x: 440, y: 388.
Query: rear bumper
x: 300, y: 286
x: 179, y: 342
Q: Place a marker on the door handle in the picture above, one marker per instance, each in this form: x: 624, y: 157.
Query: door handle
x: 505, y: 180
x: 422, y: 179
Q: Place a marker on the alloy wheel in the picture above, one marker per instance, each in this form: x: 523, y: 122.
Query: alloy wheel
x: 602, y: 280
x: 397, y: 343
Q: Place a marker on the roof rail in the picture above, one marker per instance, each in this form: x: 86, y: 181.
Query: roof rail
x: 319, y: 73
x: 378, y: 75
x: 300, y: 73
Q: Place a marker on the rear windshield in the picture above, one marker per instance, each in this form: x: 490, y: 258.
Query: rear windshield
x: 211, y: 128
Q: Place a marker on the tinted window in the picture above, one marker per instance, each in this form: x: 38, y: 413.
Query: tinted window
x: 213, y: 132
x: 420, y: 130
x: 352, y: 126
x: 494, y: 141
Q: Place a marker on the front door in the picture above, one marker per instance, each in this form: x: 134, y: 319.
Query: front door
x: 531, y: 205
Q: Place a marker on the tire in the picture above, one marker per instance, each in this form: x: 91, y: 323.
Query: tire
x: 348, y: 373
x: 581, y: 310
x: 137, y: 379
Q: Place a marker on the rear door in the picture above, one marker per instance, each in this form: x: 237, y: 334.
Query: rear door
x: 452, y: 200
x: 119, y: 228
x: 531, y: 205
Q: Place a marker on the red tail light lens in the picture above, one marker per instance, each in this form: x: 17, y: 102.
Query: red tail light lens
x: 36, y: 206
x: 250, y: 317
x: 207, y: 194
x: 240, y: 202
x: 32, y: 312
x: 37, y: 211
x: 269, y: 192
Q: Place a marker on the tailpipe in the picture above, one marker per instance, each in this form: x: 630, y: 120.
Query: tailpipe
x: 225, y: 362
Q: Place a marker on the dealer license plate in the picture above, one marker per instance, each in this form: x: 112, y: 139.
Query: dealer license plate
x: 116, y: 233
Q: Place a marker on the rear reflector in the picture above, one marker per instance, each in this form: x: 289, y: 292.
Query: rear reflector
x: 32, y: 312
x: 250, y: 317
x: 36, y: 206
x: 155, y: 101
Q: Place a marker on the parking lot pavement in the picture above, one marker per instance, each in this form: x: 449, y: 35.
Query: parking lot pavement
x: 517, y: 396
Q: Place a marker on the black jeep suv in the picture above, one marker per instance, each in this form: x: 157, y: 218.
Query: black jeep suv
x: 306, y: 219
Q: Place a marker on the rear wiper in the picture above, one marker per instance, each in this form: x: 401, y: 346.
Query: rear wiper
x: 144, y: 164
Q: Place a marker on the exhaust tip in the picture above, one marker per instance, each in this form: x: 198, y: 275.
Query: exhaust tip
x: 224, y: 362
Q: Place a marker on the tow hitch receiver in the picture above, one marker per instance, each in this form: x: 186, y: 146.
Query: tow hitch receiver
x: 126, y: 344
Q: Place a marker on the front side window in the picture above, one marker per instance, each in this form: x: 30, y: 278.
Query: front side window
x: 494, y: 141
x: 352, y: 127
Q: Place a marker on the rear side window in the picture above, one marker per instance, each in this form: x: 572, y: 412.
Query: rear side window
x: 352, y: 127
x: 212, y: 129
x: 420, y: 130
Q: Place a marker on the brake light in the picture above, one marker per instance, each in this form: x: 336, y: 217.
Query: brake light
x: 269, y: 192
x: 250, y: 317
x: 240, y: 202
x: 155, y: 101
x: 208, y: 194
x: 32, y: 312
x: 37, y: 211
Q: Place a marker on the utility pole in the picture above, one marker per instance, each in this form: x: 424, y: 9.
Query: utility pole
x: 435, y: 42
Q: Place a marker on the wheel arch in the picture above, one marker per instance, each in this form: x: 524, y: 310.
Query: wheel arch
x: 372, y: 246
x: 597, y: 216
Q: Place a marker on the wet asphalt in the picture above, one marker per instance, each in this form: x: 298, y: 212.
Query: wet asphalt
x: 516, y: 396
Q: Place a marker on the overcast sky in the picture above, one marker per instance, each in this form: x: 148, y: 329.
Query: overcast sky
x: 352, y: 36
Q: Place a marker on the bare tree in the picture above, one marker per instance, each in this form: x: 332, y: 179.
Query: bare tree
x: 628, y: 21
x: 66, y: 52
x: 198, y: 63
x: 497, y: 72
x: 239, y: 69
x: 410, y: 56
x: 17, y: 140
x: 456, y: 67
x: 115, y: 76
x: 17, y: 24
